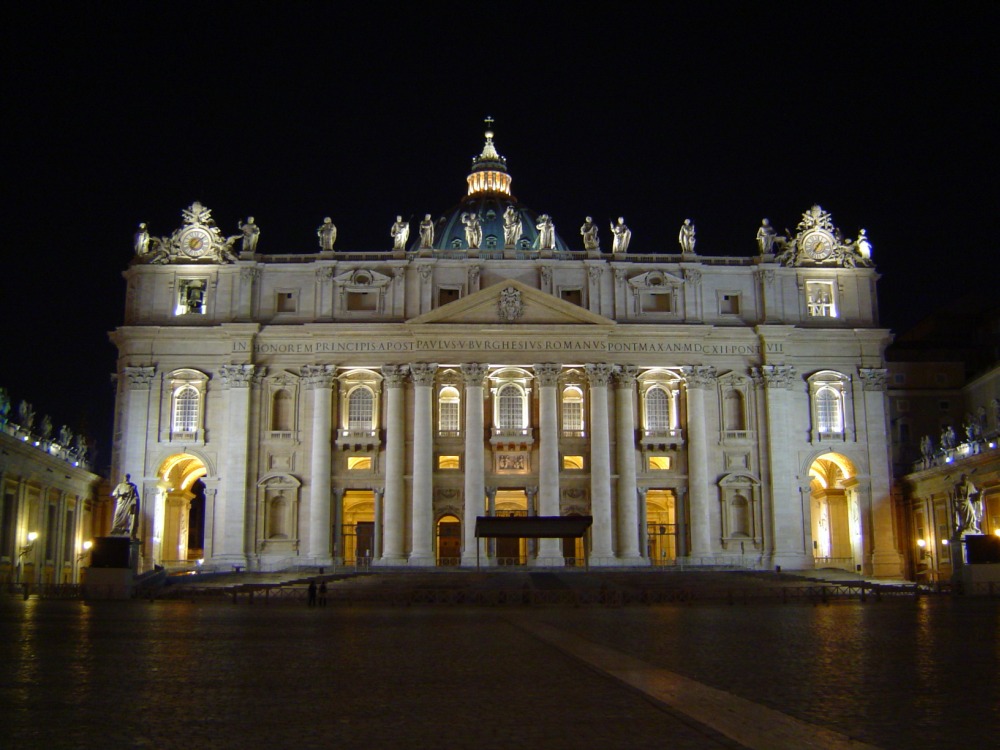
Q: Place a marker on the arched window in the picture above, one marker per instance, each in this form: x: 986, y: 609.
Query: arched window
x: 511, y: 407
x: 732, y: 411
x: 572, y: 410
x: 449, y: 410
x: 281, y: 410
x: 360, y: 410
x: 187, y: 401
x: 657, y: 410
x: 829, y: 410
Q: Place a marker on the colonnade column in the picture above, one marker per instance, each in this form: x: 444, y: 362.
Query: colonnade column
x: 628, y: 511
x: 788, y: 516
x: 394, y: 504
x: 319, y: 378
x: 886, y: 560
x: 697, y: 380
x: 230, y: 526
x: 549, y: 550
x: 422, y: 551
x: 337, y: 551
x: 475, y: 457
x: 601, y: 549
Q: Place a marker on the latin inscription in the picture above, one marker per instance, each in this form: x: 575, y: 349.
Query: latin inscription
x: 496, y: 345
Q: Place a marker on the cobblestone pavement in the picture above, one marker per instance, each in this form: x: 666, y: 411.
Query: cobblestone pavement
x: 919, y: 672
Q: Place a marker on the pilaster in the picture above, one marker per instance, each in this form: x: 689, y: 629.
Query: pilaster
x: 422, y: 533
x: 601, y: 548
x: 475, y: 457
x: 549, y: 550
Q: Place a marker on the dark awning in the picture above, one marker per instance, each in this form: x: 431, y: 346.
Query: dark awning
x: 539, y: 527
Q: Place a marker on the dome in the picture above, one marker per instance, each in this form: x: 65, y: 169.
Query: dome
x: 489, y: 197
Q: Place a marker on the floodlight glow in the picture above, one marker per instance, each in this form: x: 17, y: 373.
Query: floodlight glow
x: 921, y: 543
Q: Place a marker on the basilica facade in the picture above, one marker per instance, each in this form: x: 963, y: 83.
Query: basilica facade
x: 342, y: 407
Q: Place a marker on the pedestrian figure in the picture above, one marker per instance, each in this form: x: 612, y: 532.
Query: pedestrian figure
x: 312, y: 593
x: 322, y: 593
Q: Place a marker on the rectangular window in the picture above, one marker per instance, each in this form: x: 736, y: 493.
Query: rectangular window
x: 449, y: 417
x: 362, y: 301
x: 191, y: 297
x: 654, y: 302
x: 573, y: 463
x: 572, y: 414
x: 729, y: 304
x: 286, y: 302
x: 359, y: 463
x: 446, y: 295
x: 658, y: 463
x: 573, y: 296
x: 448, y: 462
x: 820, y: 300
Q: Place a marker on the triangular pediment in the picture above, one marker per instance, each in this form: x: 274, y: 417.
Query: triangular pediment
x: 512, y: 303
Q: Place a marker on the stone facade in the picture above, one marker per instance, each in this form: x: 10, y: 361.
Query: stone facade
x: 356, y: 407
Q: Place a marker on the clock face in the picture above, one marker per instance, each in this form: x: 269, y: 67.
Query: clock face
x: 195, y: 242
x: 817, y: 244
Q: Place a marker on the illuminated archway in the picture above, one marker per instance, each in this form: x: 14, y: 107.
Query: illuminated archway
x: 661, y: 526
x: 358, y: 527
x: 835, y: 514
x: 179, y: 511
x: 449, y: 540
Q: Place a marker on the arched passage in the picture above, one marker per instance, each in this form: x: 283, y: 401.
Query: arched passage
x: 359, y: 527
x: 661, y: 526
x: 179, y: 511
x: 835, y: 513
x: 449, y: 540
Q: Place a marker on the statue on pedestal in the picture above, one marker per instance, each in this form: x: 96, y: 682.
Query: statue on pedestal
x: 686, y: 237
x: 765, y: 237
x: 473, y: 230
x: 426, y: 233
x: 968, y: 507
x: 589, y: 233
x: 126, y: 519
x: 546, y: 232
x: 622, y: 236
x: 142, y: 240
x: 251, y: 233
x: 327, y: 234
x: 511, y: 227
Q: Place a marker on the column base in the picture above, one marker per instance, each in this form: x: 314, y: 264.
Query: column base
x: 633, y: 562
x: 886, y: 565
x: 422, y: 560
x: 387, y: 561
x: 554, y: 561
x: 232, y: 562
x: 792, y: 561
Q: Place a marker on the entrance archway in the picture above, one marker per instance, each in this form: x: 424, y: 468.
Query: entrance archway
x: 449, y: 541
x: 510, y: 503
x: 661, y: 526
x: 835, y: 516
x: 358, y: 527
x: 179, y: 511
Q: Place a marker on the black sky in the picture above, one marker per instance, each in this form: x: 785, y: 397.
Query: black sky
x: 118, y: 113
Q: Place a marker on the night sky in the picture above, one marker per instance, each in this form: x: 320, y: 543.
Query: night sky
x: 117, y: 113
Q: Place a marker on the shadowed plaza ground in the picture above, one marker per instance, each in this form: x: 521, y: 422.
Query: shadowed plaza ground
x: 901, y: 672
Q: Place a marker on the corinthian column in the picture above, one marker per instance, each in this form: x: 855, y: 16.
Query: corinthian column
x: 475, y: 470
x: 230, y: 523
x: 549, y: 550
x: 628, y: 500
x: 394, y: 511
x: 601, y: 549
x: 697, y: 381
x: 319, y: 378
x: 787, y: 514
x: 422, y: 552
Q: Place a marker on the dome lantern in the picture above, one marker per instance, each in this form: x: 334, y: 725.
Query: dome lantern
x: 489, y: 169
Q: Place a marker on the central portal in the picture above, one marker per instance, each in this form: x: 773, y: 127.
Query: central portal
x: 511, y: 503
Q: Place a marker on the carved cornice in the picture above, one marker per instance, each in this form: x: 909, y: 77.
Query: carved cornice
x: 700, y: 376
x: 139, y: 378
x: 599, y: 374
x: 422, y: 373
x: 774, y: 376
x: 236, y: 376
x: 394, y: 375
x: 318, y: 376
x: 625, y: 375
x: 473, y: 374
x: 873, y: 379
x: 547, y: 374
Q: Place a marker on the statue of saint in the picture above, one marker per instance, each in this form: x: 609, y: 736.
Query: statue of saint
x: 948, y: 438
x: 546, y: 232
x: 968, y: 507
x: 251, y: 233
x: 864, y: 246
x: 589, y: 233
x: 686, y: 237
x: 400, y: 233
x: 926, y: 446
x: 473, y: 230
x: 765, y: 237
x: 142, y: 240
x: 46, y: 427
x: 327, y: 234
x: 26, y: 413
x: 426, y: 233
x: 126, y: 509
x: 622, y: 236
x: 511, y: 227
x: 65, y: 436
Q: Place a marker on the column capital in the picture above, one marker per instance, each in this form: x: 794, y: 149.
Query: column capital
x: 318, y: 376
x: 547, y: 374
x: 874, y: 379
x: 395, y: 375
x: 774, y: 376
x: 249, y: 274
x: 699, y: 376
x: 139, y: 378
x: 625, y: 375
x: 474, y: 372
x: 236, y: 376
x: 422, y: 373
x: 599, y: 374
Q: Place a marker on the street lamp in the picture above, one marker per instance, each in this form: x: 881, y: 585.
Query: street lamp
x: 86, y: 550
x: 32, y: 536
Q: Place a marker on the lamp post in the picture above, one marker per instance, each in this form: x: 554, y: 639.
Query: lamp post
x: 25, y: 550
